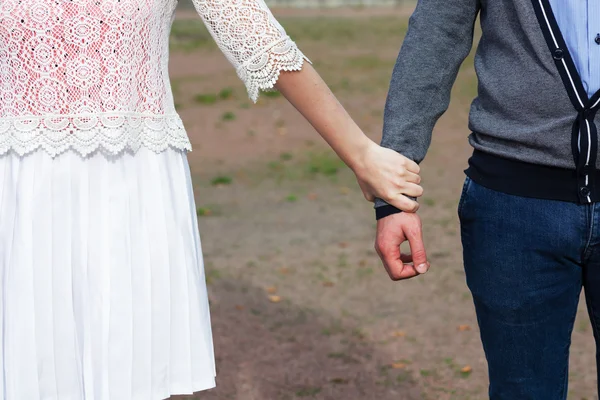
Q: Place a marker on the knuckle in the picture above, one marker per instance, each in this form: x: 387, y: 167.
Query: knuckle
x: 378, y: 249
x: 388, y: 194
x: 395, y: 276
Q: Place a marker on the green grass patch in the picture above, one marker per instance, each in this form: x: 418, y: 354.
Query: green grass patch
x: 325, y: 163
x: 221, y: 180
x: 285, y: 156
x: 226, y: 93
x: 228, y: 116
x: 271, y: 94
x: 206, y: 98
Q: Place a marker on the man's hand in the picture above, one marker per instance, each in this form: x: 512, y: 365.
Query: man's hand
x: 392, y: 231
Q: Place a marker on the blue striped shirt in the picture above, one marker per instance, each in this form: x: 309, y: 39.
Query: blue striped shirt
x: 579, y: 22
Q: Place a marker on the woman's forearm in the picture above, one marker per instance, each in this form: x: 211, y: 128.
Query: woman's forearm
x: 309, y: 94
x: 380, y: 172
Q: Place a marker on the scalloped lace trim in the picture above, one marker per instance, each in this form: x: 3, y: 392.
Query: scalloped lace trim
x: 263, y: 70
x: 110, y: 132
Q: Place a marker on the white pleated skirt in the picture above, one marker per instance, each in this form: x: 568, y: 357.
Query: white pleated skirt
x: 102, y: 287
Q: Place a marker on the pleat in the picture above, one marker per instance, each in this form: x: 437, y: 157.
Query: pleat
x: 22, y: 361
x: 45, y: 228
x: 102, y: 291
x: 120, y: 325
x: 141, y: 292
x: 180, y: 378
x: 82, y: 295
x: 200, y: 312
x: 6, y: 230
x: 158, y: 254
x: 201, y: 342
x: 98, y: 275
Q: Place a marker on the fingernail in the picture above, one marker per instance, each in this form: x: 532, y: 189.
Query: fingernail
x: 422, y: 268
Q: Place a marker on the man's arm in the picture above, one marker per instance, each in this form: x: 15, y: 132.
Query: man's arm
x: 439, y: 38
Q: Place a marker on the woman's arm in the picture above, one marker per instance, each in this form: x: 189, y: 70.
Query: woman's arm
x: 264, y: 56
x: 380, y: 172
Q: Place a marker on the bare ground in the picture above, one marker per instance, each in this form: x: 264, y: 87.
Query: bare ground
x: 280, y: 216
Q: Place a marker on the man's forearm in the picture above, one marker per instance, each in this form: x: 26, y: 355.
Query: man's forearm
x: 439, y: 38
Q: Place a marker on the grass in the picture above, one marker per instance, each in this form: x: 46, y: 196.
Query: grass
x: 271, y: 94
x: 221, y: 180
x: 324, y: 163
x: 226, y: 93
x: 212, y: 98
x: 286, y: 156
x: 207, y: 99
x: 228, y: 116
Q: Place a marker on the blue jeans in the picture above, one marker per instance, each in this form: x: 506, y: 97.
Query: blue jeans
x: 526, y: 261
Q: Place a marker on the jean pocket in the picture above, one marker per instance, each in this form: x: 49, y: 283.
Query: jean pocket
x: 463, y: 195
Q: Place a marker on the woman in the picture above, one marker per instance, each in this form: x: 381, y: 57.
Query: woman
x: 103, y: 293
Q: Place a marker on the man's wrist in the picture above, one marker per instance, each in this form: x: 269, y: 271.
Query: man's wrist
x: 384, y: 211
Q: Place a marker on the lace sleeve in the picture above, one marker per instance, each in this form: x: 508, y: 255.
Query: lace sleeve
x: 252, y: 40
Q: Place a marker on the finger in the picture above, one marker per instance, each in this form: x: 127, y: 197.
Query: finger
x: 389, y: 252
x: 403, y: 203
x: 412, y: 189
x: 417, y: 249
x: 394, y: 263
x: 397, y: 270
x: 412, y: 177
x: 412, y: 166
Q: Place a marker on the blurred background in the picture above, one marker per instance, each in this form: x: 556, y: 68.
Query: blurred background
x: 301, y: 306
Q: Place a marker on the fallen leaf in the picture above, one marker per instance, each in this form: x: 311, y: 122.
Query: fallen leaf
x: 274, y: 298
x: 272, y: 289
x: 398, y: 365
x: 239, y: 307
x: 282, y: 131
x: 399, y: 334
x: 344, y: 190
x: 312, y: 196
x: 343, y: 245
x: 466, y: 369
x: 284, y: 270
x: 362, y: 263
x: 328, y: 284
x: 463, y: 328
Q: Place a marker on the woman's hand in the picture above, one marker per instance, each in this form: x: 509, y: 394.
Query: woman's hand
x: 386, y: 174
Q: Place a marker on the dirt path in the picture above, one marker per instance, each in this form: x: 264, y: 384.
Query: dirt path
x: 301, y: 307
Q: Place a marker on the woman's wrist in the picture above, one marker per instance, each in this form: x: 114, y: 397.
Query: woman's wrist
x: 358, y: 153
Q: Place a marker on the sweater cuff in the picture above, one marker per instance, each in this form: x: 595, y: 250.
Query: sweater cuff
x: 384, y: 211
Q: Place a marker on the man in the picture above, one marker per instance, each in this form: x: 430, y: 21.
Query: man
x: 530, y: 221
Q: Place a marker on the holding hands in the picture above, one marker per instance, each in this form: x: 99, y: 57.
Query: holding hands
x: 390, y: 176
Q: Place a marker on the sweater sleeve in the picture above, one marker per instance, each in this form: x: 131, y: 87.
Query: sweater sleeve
x: 439, y: 38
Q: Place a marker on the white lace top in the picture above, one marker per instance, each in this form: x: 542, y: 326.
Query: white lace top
x: 90, y: 74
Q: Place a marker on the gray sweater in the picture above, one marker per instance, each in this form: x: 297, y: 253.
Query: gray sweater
x: 525, y: 113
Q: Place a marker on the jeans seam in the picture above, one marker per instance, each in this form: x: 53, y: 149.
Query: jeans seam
x: 586, y: 249
x: 563, y: 393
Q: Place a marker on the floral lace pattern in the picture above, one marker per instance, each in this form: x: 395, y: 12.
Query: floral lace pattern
x: 90, y: 74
